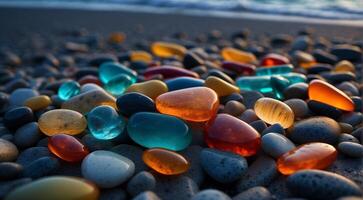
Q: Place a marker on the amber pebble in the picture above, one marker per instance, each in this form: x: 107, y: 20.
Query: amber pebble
x: 152, y: 88
x: 273, y: 111
x: 165, y: 162
x: 142, y: 56
x: 273, y: 59
x: 232, y: 54
x: 220, y: 86
x: 38, y: 102
x: 85, y: 102
x: 67, y: 147
x: 117, y: 37
x: 326, y: 93
x: 228, y: 133
x: 314, y: 155
x: 55, y: 188
x: 166, y: 50
x: 62, y: 121
x: 344, y: 66
x: 193, y: 104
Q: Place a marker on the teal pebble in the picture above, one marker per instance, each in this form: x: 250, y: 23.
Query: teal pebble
x: 117, y: 85
x: 276, y: 70
x: 279, y: 83
x: 157, y: 130
x: 69, y: 89
x: 110, y: 70
x: 104, y: 123
x: 183, y: 82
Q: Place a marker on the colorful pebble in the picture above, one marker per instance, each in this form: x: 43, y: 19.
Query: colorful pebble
x: 38, y: 102
x: 117, y: 85
x: 169, y: 72
x: 67, y: 147
x: 221, y: 87
x: 152, y: 88
x: 110, y: 70
x: 235, y: 55
x: 167, y: 50
x: 68, y: 90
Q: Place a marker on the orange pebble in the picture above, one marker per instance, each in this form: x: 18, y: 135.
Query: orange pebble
x: 196, y: 104
x: 324, y: 92
x: 67, y: 147
x: 142, y: 56
x: 314, y: 155
x: 166, y: 50
x: 117, y: 37
x: 235, y: 55
x: 165, y: 162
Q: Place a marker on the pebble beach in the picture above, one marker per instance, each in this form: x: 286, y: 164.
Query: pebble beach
x: 117, y: 105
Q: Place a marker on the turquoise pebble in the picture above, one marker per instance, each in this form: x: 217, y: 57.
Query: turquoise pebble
x: 69, y: 89
x: 110, y: 70
x: 255, y: 83
x: 157, y: 130
x: 275, y: 70
x: 104, y: 123
x: 278, y: 84
x: 183, y: 82
x: 117, y: 85
x: 294, y: 77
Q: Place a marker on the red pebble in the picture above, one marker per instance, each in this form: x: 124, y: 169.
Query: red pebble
x: 240, y: 68
x: 273, y: 59
x: 89, y: 79
x: 67, y: 147
x: 228, y: 133
x: 169, y: 72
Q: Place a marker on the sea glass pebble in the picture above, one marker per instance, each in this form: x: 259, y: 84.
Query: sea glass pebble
x: 235, y: 55
x: 105, y: 123
x: 273, y: 59
x: 38, y: 102
x: 141, y: 56
x: 228, y: 133
x: 193, y: 104
x: 157, y: 130
x: 62, y: 121
x: 167, y: 50
x: 324, y: 92
x: 183, y: 82
x: 109, y: 70
x: 117, y: 85
x: 273, y: 111
x: 221, y: 87
x: 55, y: 188
x: 314, y: 155
x: 165, y: 162
x: 67, y: 147
x: 69, y: 89
x: 274, y: 70
x: 169, y: 72
x: 152, y: 88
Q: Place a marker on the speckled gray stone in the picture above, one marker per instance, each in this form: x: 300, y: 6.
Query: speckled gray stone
x: 319, y: 184
x: 28, y: 135
x: 275, y: 144
x: 175, y: 187
x: 195, y: 171
x: 211, y: 194
x: 255, y: 193
x: 351, y: 149
x: 141, y: 182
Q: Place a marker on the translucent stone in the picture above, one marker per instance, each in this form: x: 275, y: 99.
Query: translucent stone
x: 167, y: 50
x: 273, y: 59
x: 221, y: 87
x: 169, y: 72
x: 118, y: 85
x: 68, y: 90
x: 152, y: 88
x: 109, y: 70
x: 67, y: 147
x: 141, y: 56
x: 235, y: 55
x: 275, y: 70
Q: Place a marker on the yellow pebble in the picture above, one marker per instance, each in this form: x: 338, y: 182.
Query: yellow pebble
x: 232, y: 54
x: 38, y: 102
x: 344, y: 66
x: 220, y: 86
x: 152, y: 88
x: 167, y: 50
x: 142, y: 56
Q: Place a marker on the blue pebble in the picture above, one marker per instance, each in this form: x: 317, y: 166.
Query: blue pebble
x: 69, y: 89
x: 183, y: 82
x: 134, y: 102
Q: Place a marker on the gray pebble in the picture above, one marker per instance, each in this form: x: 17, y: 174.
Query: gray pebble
x: 347, y: 138
x: 248, y: 116
x: 7, y: 186
x: 259, y: 125
x: 346, y: 128
x: 250, y: 98
x: 195, y: 171
x: 319, y: 184
x: 352, y: 118
x: 148, y: 195
x: 224, y: 167
x: 29, y: 155
x: 299, y: 107
x: 41, y: 167
x: 94, y: 144
x: 19, y: 96
x: 351, y: 149
x: 28, y: 135
x: 133, y: 153
x: 275, y: 144
x: 255, y: 193
x: 297, y: 90
x: 8, y: 151
x: 141, y: 182
x: 275, y: 128
x: 348, y: 86
x: 175, y: 187
x: 315, y: 129
x: 211, y: 194
x: 10, y: 170
x: 358, y: 133
x: 234, y: 108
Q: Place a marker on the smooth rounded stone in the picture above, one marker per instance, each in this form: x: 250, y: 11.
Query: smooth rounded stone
x: 17, y: 117
x: 358, y: 103
x: 195, y: 172
x: 104, y: 123
x: 192, y: 59
x: 302, y: 43
x: 141, y: 182
x: 350, y: 198
x: 152, y: 88
x: 133, y: 153
x: 38, y: 102
x: 19, y: 96
x: 347, y: 138
x: 347, y: 52
x: 89, y: 87
x: 43, y: 166
x: 183, y: 83
x: 319, y: 68
x: 118, y: 85
x: 168, y: 49
x: 250, y: 98
x: 351, y: 149
x: 320, y: 184
x: 348, y: 87
x: 147, y: 195
x: 175, y: 187
x: 255, y: 193
x: 358, y: 133
x: 134, y: 102
x: 55, y: 188
x: 67, y: 147
x: 233, y: 97
x: 196, y: 104
x: 157, y: 130
x: 322, y: 56
x: 273, y: 111
x: 239, y: 68
x: 69, y: 89
x: 276, y: 145
x: 258, y: 125
x: 211, y: 194
x: 221, y: 87
x: 27, y: 135
x: 107, y: 169
x: 224, y: 167
x: 352, y: 118
x: 275, y: 128
x: 260, y: 173
x: 62, y: 121
x: 236, y: 55
x: 296, y: 90
x: 10, y: 170
x: 344, y: 66
x: 27, y: 156
x: 221, y: 75
x: 94, y: 144
x: 299, y: 107
x: 109, y: 70
x: 234, y: 108
x: 248, y: 116
x: 338, y: 77
x: 8, y: 151
x: 315, y: 129
x: 8, y: 186
x: 323, y: 109
x: 85, y: 102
